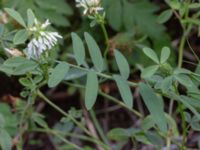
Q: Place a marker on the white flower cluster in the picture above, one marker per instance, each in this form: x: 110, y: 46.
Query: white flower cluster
x: 90, y: 6
x: 42, y: 40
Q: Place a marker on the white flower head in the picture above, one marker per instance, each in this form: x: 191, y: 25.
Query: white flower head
x: 42, y: 40
x: 90, y: 6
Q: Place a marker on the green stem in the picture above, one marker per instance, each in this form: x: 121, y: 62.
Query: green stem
x: 41, y: 95
x: 184, y: 126
x: 183, y: 121
x: 168, y: 143
x: 132, y: 84
x: 105, y: 33
x: 106, y: 39
x: 26, y: 114
x: 181, y: 49
x: 81, y: 137
x: 113, y: 99
x: 186, y: 30
x: 67, y: 142
x: 98, y: 127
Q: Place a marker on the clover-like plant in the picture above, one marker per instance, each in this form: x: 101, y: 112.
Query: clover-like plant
x: 30, y: 56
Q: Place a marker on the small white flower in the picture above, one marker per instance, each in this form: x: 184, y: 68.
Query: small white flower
x: 90, y: 6
x: 43, y: 40
x: 46, y: 24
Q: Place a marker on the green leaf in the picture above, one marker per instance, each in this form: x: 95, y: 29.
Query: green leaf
x: 192, y: 101
x: 155, y: 139
x: 20, y: 37
x: 25, y: 82
x: 138, y: 14
x: 118, y: 134
x: 15, y: 15
x: 154, y: 106
x: 191, y: 21
x: 194, y: 5
x: 25, y: 67
x: 166, y: 84
x: 122, y: 64
x: 181, y: 71
x: 151, y: 54
x: 74, y: 73
x: 185, y: 100
x: 58, y: 74
x: 95, y: 52
x: 195, y: 124
x: 124, y: 90
x: 15, y: 61
x: 165, y: 16
x: 184, y: 80
x: 114, y: 20
x: 56, y: 11
x: 18, y: 66
x: 165, y: 53
x: 175, y: 4
x: 147, y: 123
x: 79, y: 49
x: 149, y: 71
x: 39, y: 119
x: 2, y: 121
x: 5, y: 140
x: 91, y: 92
x: 31, y: 17
x: 2, y: 29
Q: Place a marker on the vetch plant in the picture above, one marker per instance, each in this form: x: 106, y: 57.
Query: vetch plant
x: 169, y: 94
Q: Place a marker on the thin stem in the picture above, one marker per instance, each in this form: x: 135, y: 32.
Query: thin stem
x: 41, y: 95
x: 101, y: 20
x: 105, y: 33
x: 195, y: 55
x: 98, y: 127
x: 168, y: 143
x: 106, y: 39
x: 181, y: 49
x: 171, y: 105
x: 60, y: 137
x: 132, y: 84
x: 186, y: 31
x: 183, y: 121
x: 113, y: 99
x: 81, y: 137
